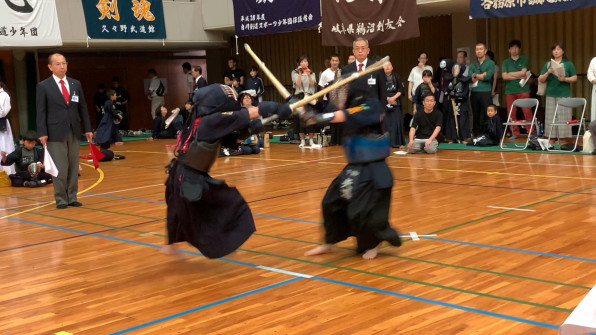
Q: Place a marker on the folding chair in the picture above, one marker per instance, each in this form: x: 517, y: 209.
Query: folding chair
x: 522, y: 103
x: 569, y: 103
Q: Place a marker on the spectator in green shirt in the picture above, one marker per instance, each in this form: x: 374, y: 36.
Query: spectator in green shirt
x: 557, y: 87
x: 481, y: 72
x: 515, y: 69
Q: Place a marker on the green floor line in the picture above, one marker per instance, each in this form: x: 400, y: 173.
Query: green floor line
x: 316, y: 243
x: 438, y: 263
x: 507, y: 211
x: 416, y: 282
x: 461, y: 146
x: 346, y: 269
x: 574, y: 203
x: 120, y: 213
x: 98, y: 224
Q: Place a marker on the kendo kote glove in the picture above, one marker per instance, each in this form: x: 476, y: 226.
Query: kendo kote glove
x: 268, y: 108
x: 284, y: 111
x: 312, y: 118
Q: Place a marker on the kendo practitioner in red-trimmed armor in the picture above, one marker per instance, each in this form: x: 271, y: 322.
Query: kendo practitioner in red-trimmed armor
x: 204, y: 211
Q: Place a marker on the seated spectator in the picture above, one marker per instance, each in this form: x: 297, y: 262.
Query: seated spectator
x: 22, y: 158
x: 246, y: 99
x: 230, y: 145
x: 185, y: 111
x: 492, y: 130
x: 160, y: 128
x: 250, y: 145
x: 426, y: 125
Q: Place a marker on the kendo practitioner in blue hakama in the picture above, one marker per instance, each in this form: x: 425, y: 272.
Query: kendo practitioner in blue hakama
x: 357, y: 201
x: 204, y: 211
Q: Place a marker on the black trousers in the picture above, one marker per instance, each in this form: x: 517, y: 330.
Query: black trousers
x: 480, y: 102
x: 365, y: 215
x: 393, y: 124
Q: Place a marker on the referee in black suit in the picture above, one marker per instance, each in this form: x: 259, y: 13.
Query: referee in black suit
x: 61, y: 108
x: 372, y: 85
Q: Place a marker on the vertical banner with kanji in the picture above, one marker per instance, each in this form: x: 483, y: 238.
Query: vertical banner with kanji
x: 127, y: 19
x: 29, y: 23
x: 379, y: 21
x: 255, y: 17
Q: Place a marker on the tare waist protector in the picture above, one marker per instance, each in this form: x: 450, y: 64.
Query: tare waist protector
x: 366, y: 148
x: 200, y: 155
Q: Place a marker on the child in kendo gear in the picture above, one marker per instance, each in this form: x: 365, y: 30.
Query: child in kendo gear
x: 107, y: 131
x: 492, y: 130
x: 22, y: 158
x: 203, y: 211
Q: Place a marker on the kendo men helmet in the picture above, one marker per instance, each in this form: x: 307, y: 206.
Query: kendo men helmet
x: 216, y: 98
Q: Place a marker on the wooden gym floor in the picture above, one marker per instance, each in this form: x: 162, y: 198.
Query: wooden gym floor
x: 506, y: 246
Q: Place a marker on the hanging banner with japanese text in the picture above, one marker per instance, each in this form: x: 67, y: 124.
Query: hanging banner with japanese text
x: 256, y: 17
x: 502, y: 8
x: 127, y: 19
x: 29, y: 23
x: 379, y: 21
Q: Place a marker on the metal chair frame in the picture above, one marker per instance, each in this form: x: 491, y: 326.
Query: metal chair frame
x: 522, y: 103
x: 569, y: 103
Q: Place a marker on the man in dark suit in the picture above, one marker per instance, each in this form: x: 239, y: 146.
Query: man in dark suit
x: 61, y: 107
x: 197, y: 73
x: 372, y: 85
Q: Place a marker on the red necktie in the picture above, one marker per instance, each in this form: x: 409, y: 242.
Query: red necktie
x: 64, y: 91
x: 360, y: 67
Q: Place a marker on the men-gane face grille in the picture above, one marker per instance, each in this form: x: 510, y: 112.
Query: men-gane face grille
x: 230, y: 92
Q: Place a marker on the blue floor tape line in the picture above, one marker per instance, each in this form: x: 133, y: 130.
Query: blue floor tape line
x: 68, y: 237
x: 513, y: 249
x: 215, y: 303
x: 437, y: 302
x: 163, y: 202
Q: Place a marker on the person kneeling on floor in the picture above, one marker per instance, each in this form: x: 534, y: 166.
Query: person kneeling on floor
x: 492, y: 131
x: 426, y: 125
x: 28, y: 163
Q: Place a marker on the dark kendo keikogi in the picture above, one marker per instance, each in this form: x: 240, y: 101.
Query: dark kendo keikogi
x: 107, y: 131
x: 358, y: 200
x: 204, y: 211
x: 455, y: 90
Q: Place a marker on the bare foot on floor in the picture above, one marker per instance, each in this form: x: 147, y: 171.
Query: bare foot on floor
x: 171, y: 250
x: 371, y: 253
x: 318, y: 250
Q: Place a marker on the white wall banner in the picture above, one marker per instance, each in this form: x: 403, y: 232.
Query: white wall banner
x: 29, y: 23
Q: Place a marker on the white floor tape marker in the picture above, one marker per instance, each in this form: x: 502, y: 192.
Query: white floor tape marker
x: 415, y: 236
x: 513, y: 208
